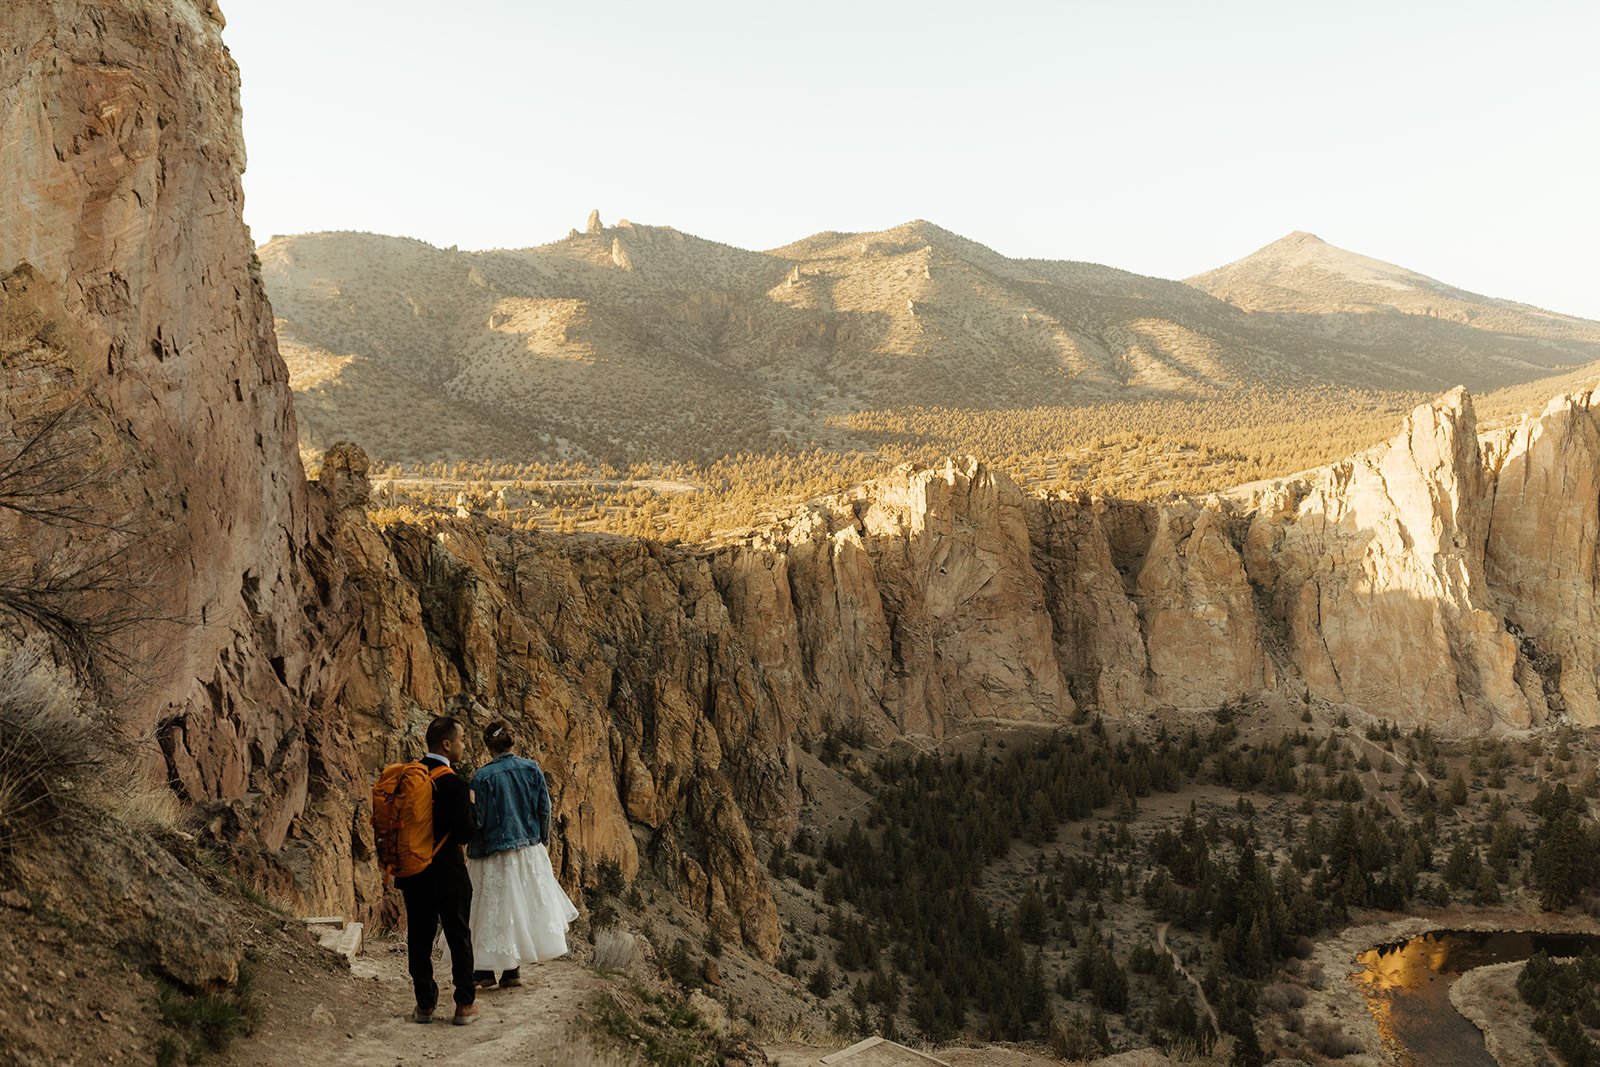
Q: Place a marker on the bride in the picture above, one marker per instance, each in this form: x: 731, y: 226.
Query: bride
x: 519, y: 912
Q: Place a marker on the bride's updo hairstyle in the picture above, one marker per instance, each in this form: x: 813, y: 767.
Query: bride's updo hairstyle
x: 497, y: 737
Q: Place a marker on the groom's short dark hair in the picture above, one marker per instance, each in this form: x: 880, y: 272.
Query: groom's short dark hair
x: 439, y: 729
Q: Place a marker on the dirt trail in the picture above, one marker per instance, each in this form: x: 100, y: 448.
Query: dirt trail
x: 655, y: 485
x: 1205, y: 1005
x: 1388, y: 799
x: 1378, y: 755
x: 362, y: 1018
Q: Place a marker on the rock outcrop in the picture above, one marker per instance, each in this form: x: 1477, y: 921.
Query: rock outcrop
x: 147, y: 320
x: 620, y: 258
x: 1376, y: 567
x: 1543, y: 532
x: 1198, y: 609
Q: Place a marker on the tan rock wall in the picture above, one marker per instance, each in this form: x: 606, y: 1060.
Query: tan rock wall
x: 969, y: 626
x: 122, y: 167
x: 1543, y: 528
x: 121, y: 172
x: 1199, y: 611
x: 1376, y: 567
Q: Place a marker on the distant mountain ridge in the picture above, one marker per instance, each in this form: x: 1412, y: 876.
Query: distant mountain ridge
x: 629, y: 342
x: 1302, y: 273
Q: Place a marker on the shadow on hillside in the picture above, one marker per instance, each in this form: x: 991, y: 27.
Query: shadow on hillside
x: 1419, y: 352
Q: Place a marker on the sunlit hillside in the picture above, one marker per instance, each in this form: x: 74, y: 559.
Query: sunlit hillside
x: 599, y: 368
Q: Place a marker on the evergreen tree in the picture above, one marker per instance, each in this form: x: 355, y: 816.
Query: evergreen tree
x: 1032, y: 921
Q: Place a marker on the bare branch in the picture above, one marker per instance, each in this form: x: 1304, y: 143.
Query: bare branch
x: 86, y: 578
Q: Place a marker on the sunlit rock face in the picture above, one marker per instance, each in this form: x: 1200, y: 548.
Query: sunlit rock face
x: 121, y: 173
x: 1543, y: 531
x: 1375, y: 566
x: 1434, y: 579
x: 966, y: 609
x: 1199, y: 613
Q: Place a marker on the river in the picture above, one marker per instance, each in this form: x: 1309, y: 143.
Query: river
x: 1407, y: 989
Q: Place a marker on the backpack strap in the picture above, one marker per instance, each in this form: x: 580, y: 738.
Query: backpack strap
x: 434, y: 774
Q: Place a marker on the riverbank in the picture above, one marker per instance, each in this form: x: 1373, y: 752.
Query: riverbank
x: 1488, y: 997
x: 1343, y: 1001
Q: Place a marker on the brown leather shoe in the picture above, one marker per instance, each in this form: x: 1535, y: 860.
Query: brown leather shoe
x: 465, y: 1014
x: 422, y: 1015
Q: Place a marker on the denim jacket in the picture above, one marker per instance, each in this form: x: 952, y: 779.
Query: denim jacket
x: 513, y: 805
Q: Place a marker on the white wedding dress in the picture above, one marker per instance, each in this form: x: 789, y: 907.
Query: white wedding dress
x: 519, y: 912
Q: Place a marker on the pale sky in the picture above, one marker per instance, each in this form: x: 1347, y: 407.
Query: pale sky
x: 1457, y: 139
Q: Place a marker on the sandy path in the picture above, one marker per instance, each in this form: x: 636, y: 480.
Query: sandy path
x: 1177, y: 963
x: 362, y: 1017
x: 655, y: 485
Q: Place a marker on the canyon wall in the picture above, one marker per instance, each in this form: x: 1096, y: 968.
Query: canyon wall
x: 1426, y: 581
x: 158, y: 525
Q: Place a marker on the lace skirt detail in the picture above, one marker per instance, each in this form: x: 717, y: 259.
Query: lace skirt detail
x: 519, y: 911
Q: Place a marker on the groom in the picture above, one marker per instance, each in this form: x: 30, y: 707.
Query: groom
x: 441, y: 894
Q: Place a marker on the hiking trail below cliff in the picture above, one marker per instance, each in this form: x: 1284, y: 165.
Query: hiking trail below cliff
x: 362, y: 1018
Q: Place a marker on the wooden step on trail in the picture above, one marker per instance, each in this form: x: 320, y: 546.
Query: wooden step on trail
x: 336, y: 935
x: 877, y: 1052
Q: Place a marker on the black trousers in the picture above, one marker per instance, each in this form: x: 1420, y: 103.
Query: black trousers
x: 440, y: 895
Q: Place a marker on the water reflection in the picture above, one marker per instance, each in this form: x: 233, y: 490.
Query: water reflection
x: 1407, y: 988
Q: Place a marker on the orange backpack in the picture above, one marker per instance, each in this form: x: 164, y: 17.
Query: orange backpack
x: 402, y: 818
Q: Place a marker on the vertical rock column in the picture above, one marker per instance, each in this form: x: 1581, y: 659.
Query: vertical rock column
x: 1377, y: 569
x: 1544, y: 532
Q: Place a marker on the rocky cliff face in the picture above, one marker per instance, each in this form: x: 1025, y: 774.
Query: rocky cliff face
x: 1429, y: 580
x: 1376, y: 568
x: 1434, y: 579
x: 133, y: 310
x: 662, y: 688
x: 1541, y: 537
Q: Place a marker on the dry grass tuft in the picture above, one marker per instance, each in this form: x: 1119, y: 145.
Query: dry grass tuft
x: 1329, y: 1039
x: 49, y: 740
x: 614, y: 949
x: 153, y: 808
